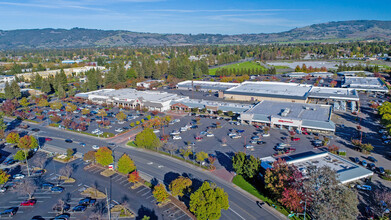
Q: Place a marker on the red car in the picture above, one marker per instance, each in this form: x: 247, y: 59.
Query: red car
x: 30, y: 202
x: 48, y: 139
x: 305, y: 133
x: 295, y: 139
x: 198, y: 138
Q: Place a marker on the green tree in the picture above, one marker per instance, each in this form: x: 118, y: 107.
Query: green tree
x: 85, y: 111
x: 147, y: 139
x: 46, y: 88
x: 26, y: 143
x: 15, y: 89
x: 56, y: 105
x: 61, y: 92
x: 201, y: 156
x: 160, y: 193
x: 12, y: 138
x: 251, y: 167
x: 24, y: 102
x: 102, y: 113
x: 70, y: 107
x: 20, y: 155
x: 43, y: 102
x: 4, y: 176
x: 8, y: 91
x: 179, y: 185
x: 104, y: 156
x: 120, y: 116
x: 238, y: 162
x: 207, y: 202
x: 126, y: 164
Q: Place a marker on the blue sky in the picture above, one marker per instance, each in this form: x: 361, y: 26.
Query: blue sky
x: 186, y: 16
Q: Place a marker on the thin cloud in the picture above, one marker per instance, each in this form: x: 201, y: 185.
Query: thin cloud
x: 53, y: 6
x: 224, y: 10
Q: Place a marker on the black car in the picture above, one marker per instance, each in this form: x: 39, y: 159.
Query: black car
x: 9, y: 212
x: 261, y: 142
x: 37, y: 217
x: 64, y: 208
x: 371, y: 166
x: 356, y: 160
x: 87, y: 201
x: 35, y: 129
x: 46, y: 185
x: 64, y: 216
x: 79, y: 208
x: 9, y: 161
x: 68, y: 141
x: 372, y: 159
x: 380, y: 170
x: 38, y: 172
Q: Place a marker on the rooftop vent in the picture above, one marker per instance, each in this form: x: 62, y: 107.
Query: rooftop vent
x: 285, y: 112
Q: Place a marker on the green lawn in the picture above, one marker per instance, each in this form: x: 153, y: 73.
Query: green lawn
x: 244, y: 65
x: 242, y: 183
x: 281, y: 67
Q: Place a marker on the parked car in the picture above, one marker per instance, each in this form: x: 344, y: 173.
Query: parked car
x: 79, y: 208
x: 30, y: 202
x: 9, y: 212
x: 64, y: 208
x: 176, y: 137
x: 255, y: 138
x: 56, y: 189
x: 231, y: 134
x: 3, y: 190
x: 266, y: 135
x: 175, y: 133
x: 95, y: 147
x: 38, y: 172
x: 18, y: 176
x: 364, y: 163
x: 46, y: 185
x: 371, y: 166
x: 295, y: 139
x: 261, y: 142
x: 119, y: 130
x: 380, y: 170
x: 253, y: 141
x: 156, y: 131
x: 356, y: 160
x: 82, y: 144
x: 249, y: 147
x: 199, y: 138
x: 9, y: 161
x: 370, y: 158
x: 210, y: 135
x: 88, y: 201
x: 364, y: 187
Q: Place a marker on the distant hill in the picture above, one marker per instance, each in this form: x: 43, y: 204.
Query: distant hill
x: 79, y: 37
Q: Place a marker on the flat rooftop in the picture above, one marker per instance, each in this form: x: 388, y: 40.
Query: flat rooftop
x: 271, y: 89
x: 347, y: 171
x: 369, y: 83
x: 206, y: 85
x: 132, y: 94
x: 355, y: 72
x: 334, y: 93
x: 224, y: 106
x: 300, y: 111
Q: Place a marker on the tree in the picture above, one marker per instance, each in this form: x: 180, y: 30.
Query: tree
x: 277, y: 178
x: 4, y: 176
x: 56, y: 105
x: 329, y: 199
x: 15, y: 90
x: 40, y: 161
x: 24, y: 102
x: 70, y: 152
x: 170, y: 147
x: 55, y: 118
x: 186, y: 153
x: 134, y: 177
x: 104, y: 156
x: 179, y: 185
x: 207, y: 202
x: 102, y: 113
x: 238, y: 162
x: 70, y: 107
x: 201, y: 156
x: 85, y: 111
x: 12, y: 138
x: 160, y: 193
x: 120, y: 116
x: 89, y: 156
x: 292, y: 199
x: 66, y: 171
x: 9, y: 107
x: 20, y: 155
x: 126, y: 164
x: 147, y: 139
x: 61, y: 92
x: 8, y: 91
x: 251, y: 167
x: 43, y: 103
x: 26, y: 187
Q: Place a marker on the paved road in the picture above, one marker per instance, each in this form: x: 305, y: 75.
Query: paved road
x: 163, y: 168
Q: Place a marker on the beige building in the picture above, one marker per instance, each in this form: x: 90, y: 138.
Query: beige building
x: 68, y: 72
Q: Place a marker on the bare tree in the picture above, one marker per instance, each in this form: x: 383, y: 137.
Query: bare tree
x: 59, y: 206
x: 170, y: 147
x: 26, y: 187
x: 66, y: 171
x: 40, y: 161
x: 125, y: 205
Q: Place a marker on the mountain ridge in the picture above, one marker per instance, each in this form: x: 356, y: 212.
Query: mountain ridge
x: 81, y: 37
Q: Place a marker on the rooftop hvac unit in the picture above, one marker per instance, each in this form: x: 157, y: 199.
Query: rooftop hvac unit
x: 285, y: 112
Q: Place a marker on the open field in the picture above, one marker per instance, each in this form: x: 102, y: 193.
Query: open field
x: 244, y: 65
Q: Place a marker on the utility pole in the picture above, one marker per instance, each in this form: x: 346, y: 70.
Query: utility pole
x: 108, y: 205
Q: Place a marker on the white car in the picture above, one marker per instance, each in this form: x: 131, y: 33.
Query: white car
x: 99, y: 133
x: 18, y: 176
x: 156, y: 131
x: 176, y: 137
x: 183, y: 129
x: 76, y: 112
x: 121, y: 122
x: 95, y: 147
x: 3, y: 189
x: 249, y: 147
x: 210, y: 135
x: 119, y: 130
x: 231, y: 134
x: 266, y: 135
x: 175, y: 133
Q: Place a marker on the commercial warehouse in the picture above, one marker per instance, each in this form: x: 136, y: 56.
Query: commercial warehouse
x: 370, y: 84
x: 151, y: 100
x: 300, y: 116
x: 341, y: 98
x: 273, y: 91
x: 347, y: 171
x: 355, y: 73
x: 205, y: 86
x: 187, y: 104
